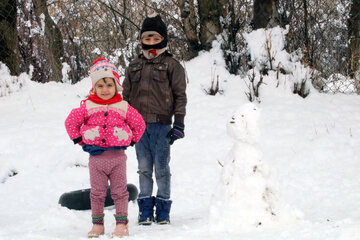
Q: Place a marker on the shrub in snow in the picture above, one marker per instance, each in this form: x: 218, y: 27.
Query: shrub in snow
x: 8, y: 83
x: 245, y: 197
x: 266, y: 48
x: 214, y: 88
x: 300, y: 77
x: 253, y: 85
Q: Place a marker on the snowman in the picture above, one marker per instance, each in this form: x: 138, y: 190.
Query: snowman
x: 246, y: 198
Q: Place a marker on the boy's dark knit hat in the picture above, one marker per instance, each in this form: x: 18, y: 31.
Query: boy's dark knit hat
x: 154, y: 23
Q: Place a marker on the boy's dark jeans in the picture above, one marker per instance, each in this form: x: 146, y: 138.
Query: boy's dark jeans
x: 153, y: 152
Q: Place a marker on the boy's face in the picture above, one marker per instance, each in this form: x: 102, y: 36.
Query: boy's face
x: 151, y: 39
x: 105, y: 88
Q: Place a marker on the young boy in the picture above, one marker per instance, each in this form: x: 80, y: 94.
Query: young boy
x: 155, y: 86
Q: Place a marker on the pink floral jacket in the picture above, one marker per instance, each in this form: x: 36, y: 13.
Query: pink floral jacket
x: 105, y: 125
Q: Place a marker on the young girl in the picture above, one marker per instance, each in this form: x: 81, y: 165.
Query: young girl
x: 104, y: 125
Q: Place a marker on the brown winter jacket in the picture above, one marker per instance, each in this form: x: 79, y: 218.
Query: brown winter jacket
x: 156, y: 88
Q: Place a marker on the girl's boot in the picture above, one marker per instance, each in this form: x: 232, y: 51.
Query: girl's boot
x: 122, y: 228
x: 98, y: 226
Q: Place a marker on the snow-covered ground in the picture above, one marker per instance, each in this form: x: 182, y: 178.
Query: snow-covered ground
x: 307, y: 151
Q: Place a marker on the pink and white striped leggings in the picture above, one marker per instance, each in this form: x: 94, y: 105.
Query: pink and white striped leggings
x: 110, y: 165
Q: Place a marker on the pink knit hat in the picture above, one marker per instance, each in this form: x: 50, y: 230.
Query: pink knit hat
x: 102, y: 68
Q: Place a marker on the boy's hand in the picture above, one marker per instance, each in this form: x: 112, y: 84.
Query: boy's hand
x: 176, y: 132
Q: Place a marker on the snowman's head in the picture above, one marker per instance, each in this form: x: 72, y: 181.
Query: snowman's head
x: 243, y: 126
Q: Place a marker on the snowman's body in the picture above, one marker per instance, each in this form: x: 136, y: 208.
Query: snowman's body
x: 245, y: 198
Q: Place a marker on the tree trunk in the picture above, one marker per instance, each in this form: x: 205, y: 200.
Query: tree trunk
x: 9, y: 53
x: 354, y: 39
x: 265, y: 14
x: 307, y: 58
x: 209, y: 13
x: 50, y: 46
x: 231, y: 26
x: 188, y: 18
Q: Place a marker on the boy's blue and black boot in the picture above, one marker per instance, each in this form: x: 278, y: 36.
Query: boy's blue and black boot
x: 146, y: 210
x: 162, y: 210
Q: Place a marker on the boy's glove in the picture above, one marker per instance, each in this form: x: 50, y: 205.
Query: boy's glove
x: 176, y: 132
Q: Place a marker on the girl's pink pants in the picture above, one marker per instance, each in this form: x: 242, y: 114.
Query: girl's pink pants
x: 110, y: 165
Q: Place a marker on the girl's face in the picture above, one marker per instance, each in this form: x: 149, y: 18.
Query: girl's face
x: 105, y: 88
x: 152, y: 39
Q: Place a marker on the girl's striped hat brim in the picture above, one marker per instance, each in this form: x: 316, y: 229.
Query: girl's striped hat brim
x: 102, y: 68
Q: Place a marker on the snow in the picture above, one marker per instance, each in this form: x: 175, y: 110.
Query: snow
x: 10, y: 84
x: 65, y: 73
x: 40, y: 29
x: 339, y: 83
x: 262, y: 40
x: 306, y: 152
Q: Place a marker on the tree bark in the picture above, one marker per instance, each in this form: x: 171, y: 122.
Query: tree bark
x: 209, y: 13
x: 50, y: 44
x: 265, y: 14
x: 354, y: 39
x: 188, y: 19
x: 231, y: 26
x: 307, y: 59
x: 9, y: 53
